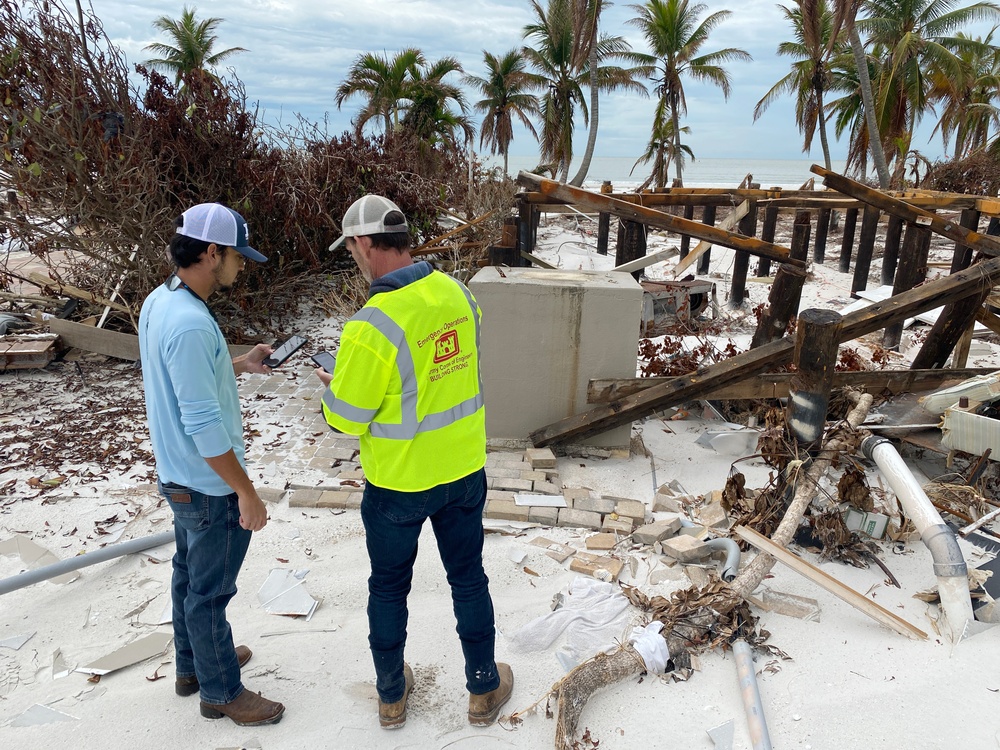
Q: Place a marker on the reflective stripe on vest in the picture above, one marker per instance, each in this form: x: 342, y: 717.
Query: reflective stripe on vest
x: 408, y: 428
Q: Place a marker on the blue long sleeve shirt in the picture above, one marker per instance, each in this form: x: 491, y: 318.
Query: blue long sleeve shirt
x: 192, y: 403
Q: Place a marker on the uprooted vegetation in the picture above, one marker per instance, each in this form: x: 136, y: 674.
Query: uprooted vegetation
x: 99, y: 167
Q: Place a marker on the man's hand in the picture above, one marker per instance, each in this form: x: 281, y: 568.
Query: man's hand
x: 253, y: 360
x: 253, y: 514
x: 323, y: 375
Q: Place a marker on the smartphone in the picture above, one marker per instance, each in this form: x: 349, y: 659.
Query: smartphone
x: 284, y: 350
x: 325, y: 360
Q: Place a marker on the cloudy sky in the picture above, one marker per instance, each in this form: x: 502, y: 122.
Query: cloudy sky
x: 299, y: 51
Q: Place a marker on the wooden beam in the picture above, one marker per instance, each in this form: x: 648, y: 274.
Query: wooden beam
x: 826, y: 581
x: 775, y: 385
x: 728, y: 224
x: 651, y: 217
x: 989, y: 320
x: 755, y: 361
x: 648, y: 260
x: 946, y: 227
x: 72, y: 291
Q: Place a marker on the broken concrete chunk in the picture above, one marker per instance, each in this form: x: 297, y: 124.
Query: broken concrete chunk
x: 594, y: 504
x: 620, y: 524
x: 540, y: 458
x: 713, y: 515
x: 602, y: 541
x: 654, y: 532
x: 635, y: 509
x: 579, y: 518
x: 602, y: 567
x: 683, y: 548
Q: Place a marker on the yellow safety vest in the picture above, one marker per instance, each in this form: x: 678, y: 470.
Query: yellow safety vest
x: 407, y: 381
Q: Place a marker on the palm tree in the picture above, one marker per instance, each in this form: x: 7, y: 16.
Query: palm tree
x: 558, y: 64
x: 968, y: 109
x: 191, y: 51
x: 812, y: 24
x: 505, y: 97
x: 912, y: 38
x: 427, y: 105
x: 661, y: 148
x: 384, y: 82
x: 675, y: 38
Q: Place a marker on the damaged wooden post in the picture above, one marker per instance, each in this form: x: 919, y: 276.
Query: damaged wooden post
x: 912, y: 270
x: 963, y: 253
x: 507, y: 252
x: 631, y: 244
x: 817, y: 339
x: 822, y: 229
x: 603, y: 231
x: 747, y: 227
x: 890, y: 257
x: 801, y: 230
x: 686, y: 238
x: 847, y: 242
x: 866, y: 246
x: 782, y: 305
x: 708, y: 219
x: 767, y: 235
x: 526, y: 226
x: 955, y: 322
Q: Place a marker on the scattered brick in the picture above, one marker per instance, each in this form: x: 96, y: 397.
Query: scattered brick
x: 540, y: 458
x: 506, y: 510
x: 543, y: 515
x: 270, y: 494
x: 602, y: 541
x: 534, y: 476
x: 589, y: 502
x: 683, y: 548
x: 621, y: 525
x: 654, y: 532
x: 635, y: 509
x: 304, y: 498
x: 572, y: 494
x: 601, y: 567
x: 713, y: 515
x: 512, y: 485
x: 579, y: 518
x: 332, y: 499
x: 546, y: 488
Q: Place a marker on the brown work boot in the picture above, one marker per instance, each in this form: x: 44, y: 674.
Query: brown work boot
x: 483, y: 709
x: 184, y: 686
x: 248, y: 710
x: 393, y: 715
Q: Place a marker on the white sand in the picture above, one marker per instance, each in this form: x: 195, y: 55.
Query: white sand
x: 851, y: 683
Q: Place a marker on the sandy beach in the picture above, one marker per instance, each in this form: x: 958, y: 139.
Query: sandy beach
x: 848, y: 682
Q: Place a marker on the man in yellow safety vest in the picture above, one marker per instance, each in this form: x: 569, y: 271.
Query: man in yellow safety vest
x: 407, y: 381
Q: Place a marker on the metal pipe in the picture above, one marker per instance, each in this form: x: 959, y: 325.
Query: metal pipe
x: 29, y: 577
x: 949, y: 563
x: 751, y: 696
x: 731, y: 567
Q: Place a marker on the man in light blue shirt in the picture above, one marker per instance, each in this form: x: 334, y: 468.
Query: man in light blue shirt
x: 195, y: 425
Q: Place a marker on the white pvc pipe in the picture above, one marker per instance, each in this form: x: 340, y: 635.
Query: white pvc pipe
x: 751, y: 696
x: 949, y: 564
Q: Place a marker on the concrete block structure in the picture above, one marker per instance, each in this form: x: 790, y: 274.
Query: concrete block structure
x: 545, y: 334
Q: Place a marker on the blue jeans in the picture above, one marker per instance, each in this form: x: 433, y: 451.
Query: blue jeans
x: 392, y: 527
x: 211, y: 547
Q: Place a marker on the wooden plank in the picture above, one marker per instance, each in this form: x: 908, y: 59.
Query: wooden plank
x: 538, y: 261
x: 946, y: 227
x: 109, y: 343
x: 775, y: 384
x: 648, y: 260
x: 826, y: 581
x: 428, y: 247
x: 989, y: 320
x: 73, y: 291
x: 596, y: 202
x: 764, y: 358
x: 728, y: 224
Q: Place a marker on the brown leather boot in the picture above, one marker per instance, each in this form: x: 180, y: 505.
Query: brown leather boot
x: 184, y: 686
x: 393, y: 715
x: 248, y: 710
x: 484, y: 709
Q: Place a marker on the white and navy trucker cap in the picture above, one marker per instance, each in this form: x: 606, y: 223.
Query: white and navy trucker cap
x: 213, y: 222
x: 367, y: 215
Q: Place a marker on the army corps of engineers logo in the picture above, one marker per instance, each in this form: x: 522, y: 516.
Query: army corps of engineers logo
x: 446, y: 347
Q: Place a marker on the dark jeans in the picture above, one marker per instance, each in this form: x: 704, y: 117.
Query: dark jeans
x: 392, y: 526
x: 211, y: 547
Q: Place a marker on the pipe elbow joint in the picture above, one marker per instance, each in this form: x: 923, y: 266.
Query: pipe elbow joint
x: 945, y: 552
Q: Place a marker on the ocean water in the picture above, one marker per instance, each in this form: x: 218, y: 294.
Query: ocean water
x: 783, y: 173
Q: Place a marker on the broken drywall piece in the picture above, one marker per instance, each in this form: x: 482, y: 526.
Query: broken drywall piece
x: 517, y: 556
x: 284, y: 594
x: 251, y: 744
x: 162, y: 554
x: 34, y: 556
x: 16, y: 641
x: 139, y: 650
x: 60, y: 667
x: 39, y: 714
x: 722, y: 735
x: 540, y: 501
x: 790, y: 605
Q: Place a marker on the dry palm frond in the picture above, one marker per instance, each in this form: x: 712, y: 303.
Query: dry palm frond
x: 959, y: 497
